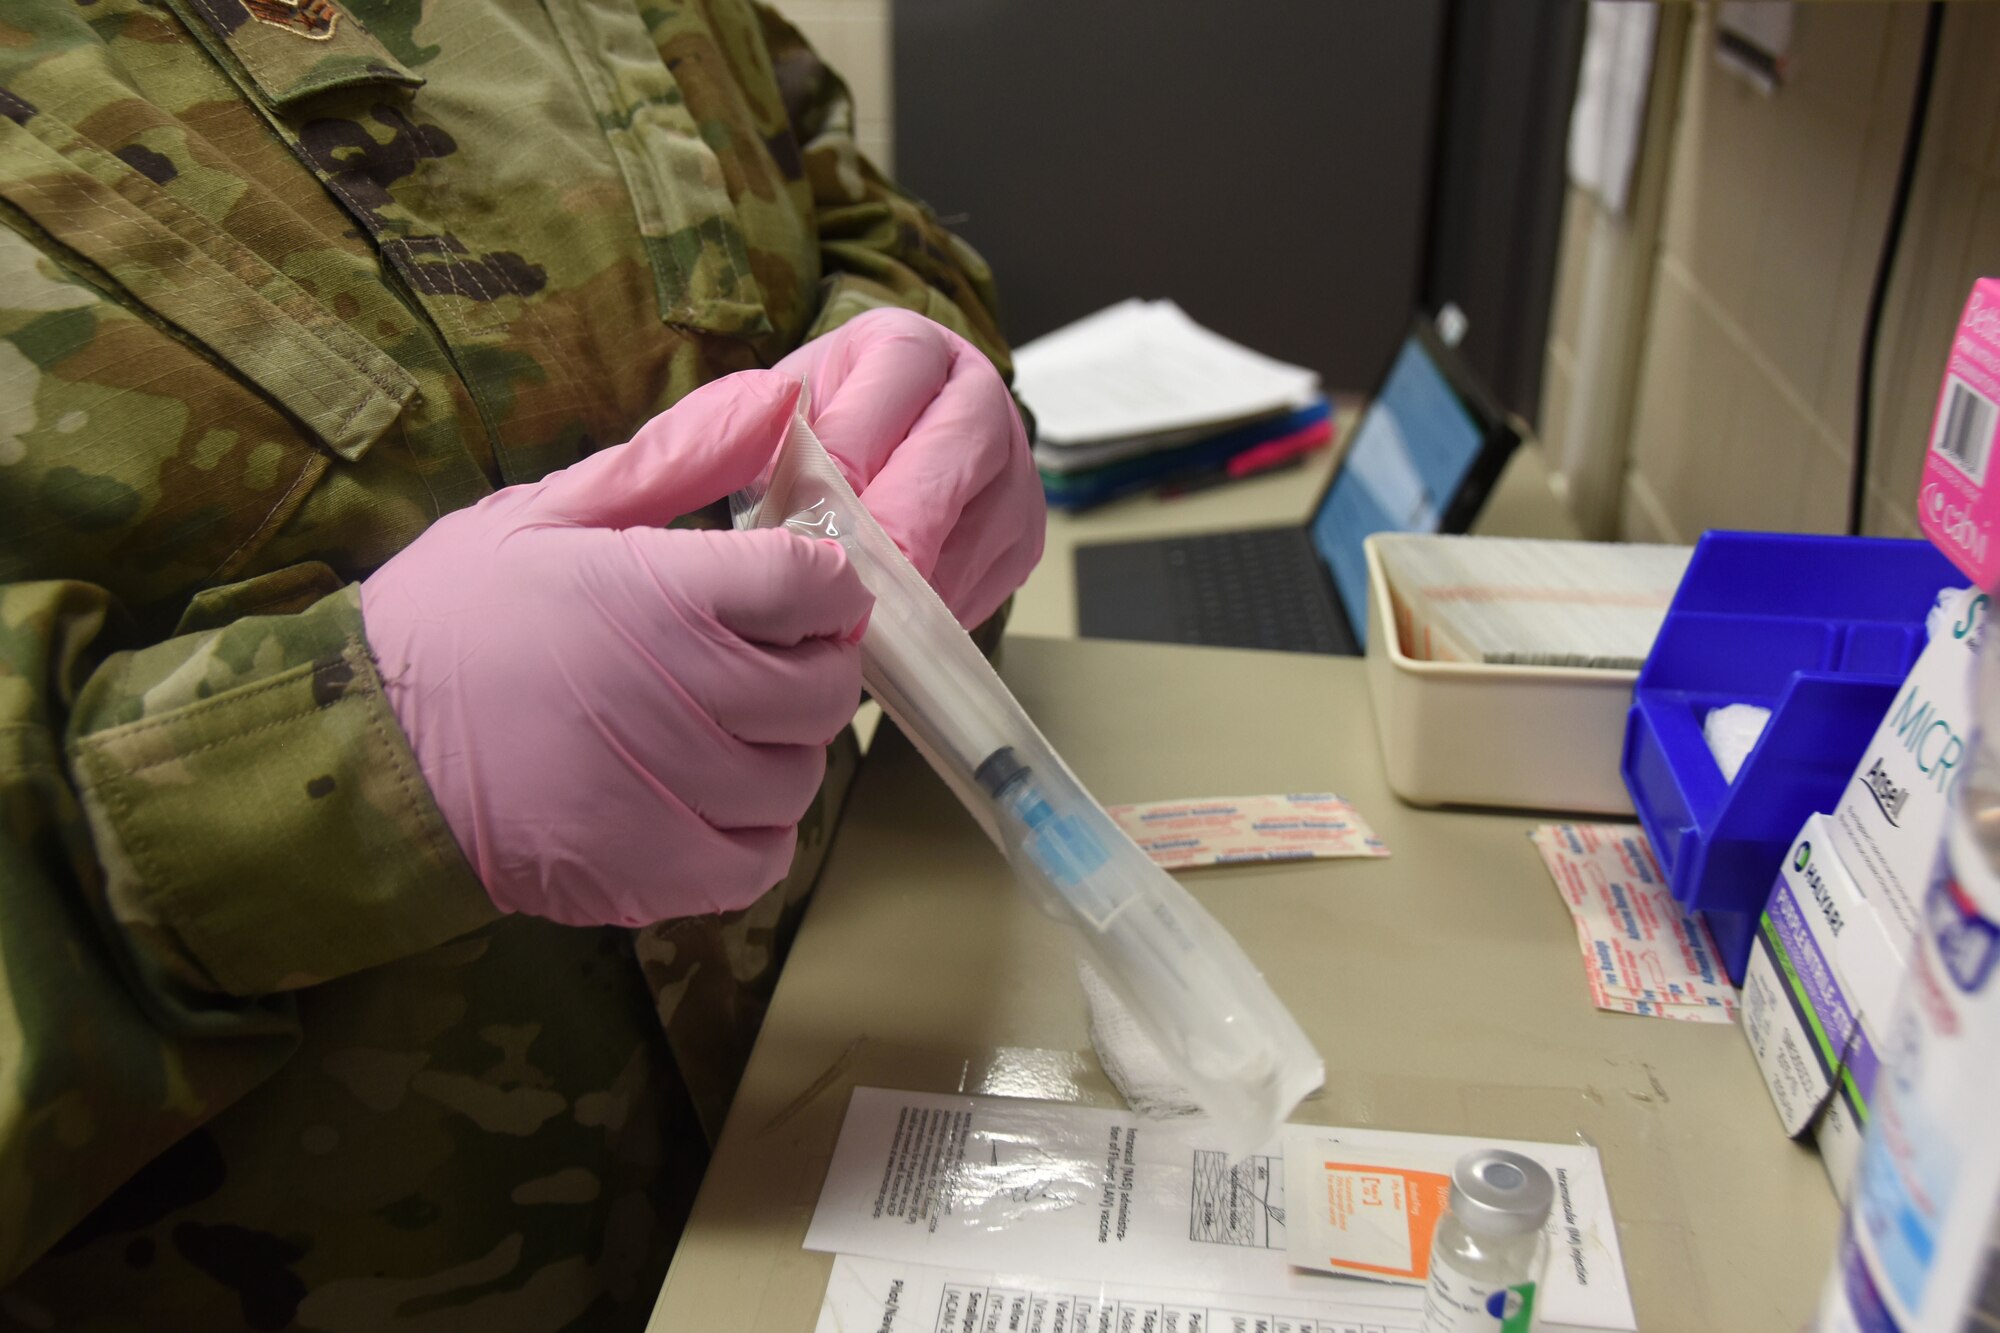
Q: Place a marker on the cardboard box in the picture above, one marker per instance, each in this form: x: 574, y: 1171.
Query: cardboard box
x: 1869, y: 959
x: 1922, y: 1246
x: 1891, y: 813
x: 1795, y: 1012
x: 1835, y: 938
x: 1823, y: 973
x: 1957, y: 506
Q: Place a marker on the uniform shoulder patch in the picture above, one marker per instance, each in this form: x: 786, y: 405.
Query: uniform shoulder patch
x: 313, y: 20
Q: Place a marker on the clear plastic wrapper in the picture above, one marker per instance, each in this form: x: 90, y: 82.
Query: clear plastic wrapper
x: 1191, y: 989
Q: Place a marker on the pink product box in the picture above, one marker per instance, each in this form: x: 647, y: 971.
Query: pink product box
x: 1956, y: 507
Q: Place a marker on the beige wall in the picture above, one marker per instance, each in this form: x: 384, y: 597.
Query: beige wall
x: 1768, y: 232
x: 1604, y: 287
x: 853, y: 37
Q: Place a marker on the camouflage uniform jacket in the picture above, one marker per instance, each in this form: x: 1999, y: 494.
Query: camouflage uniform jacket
x: 281, y: 281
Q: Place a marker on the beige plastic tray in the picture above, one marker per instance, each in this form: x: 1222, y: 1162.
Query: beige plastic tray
x: 1457, y: 733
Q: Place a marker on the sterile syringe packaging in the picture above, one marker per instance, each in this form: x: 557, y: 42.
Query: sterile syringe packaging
x: 1237, y: 1050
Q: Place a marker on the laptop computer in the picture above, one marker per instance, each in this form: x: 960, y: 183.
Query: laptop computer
x: 1422, y: 458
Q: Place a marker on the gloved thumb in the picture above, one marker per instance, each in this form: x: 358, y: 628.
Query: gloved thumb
x: 714, y: 441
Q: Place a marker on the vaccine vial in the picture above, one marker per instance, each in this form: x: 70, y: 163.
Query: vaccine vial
x: 1488, y: 1250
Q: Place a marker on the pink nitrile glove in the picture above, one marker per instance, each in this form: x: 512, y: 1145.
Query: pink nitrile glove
x: 924, y: 429
x: 624, y: 723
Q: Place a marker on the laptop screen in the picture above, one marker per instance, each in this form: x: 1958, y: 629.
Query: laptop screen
x: 1410, y: 455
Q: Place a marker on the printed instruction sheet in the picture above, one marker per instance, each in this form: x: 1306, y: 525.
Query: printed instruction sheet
x: 883, y: 1296
x: 1232, y: 830
x: 1075, y: 1193
x: 1641, y: 953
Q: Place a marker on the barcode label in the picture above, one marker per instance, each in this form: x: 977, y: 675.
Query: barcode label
x: 1965, y: 428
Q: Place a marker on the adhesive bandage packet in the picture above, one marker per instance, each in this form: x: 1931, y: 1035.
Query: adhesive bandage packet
x: 1641, y: 953
x: 1231, y: 830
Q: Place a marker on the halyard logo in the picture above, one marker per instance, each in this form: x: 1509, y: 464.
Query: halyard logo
x: 1802, y: 862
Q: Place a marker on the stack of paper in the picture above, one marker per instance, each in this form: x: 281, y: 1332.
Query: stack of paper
x: 1139, y: 395
x: 960, y: 1213
x: 1530, y: 603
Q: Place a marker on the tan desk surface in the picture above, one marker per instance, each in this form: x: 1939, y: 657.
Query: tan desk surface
x: 1443, y: 987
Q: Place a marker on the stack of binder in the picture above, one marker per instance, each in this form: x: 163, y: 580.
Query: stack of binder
x: 1140, y: 397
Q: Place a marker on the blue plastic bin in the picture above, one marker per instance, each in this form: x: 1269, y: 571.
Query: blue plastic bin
x: 1820, y: 630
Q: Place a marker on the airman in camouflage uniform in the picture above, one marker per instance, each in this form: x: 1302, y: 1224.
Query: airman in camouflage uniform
x: 279, y: 284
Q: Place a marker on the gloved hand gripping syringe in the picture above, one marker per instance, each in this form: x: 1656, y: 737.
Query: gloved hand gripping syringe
x: 1238, y: 1051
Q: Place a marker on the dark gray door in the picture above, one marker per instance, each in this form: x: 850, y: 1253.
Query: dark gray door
x: 1266, y: 163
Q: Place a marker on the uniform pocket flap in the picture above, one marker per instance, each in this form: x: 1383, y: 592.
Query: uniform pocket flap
x: 294, y: 49
x: 195, y: 277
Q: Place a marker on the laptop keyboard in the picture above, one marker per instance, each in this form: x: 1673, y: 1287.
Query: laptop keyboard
x: 1255, y: 589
